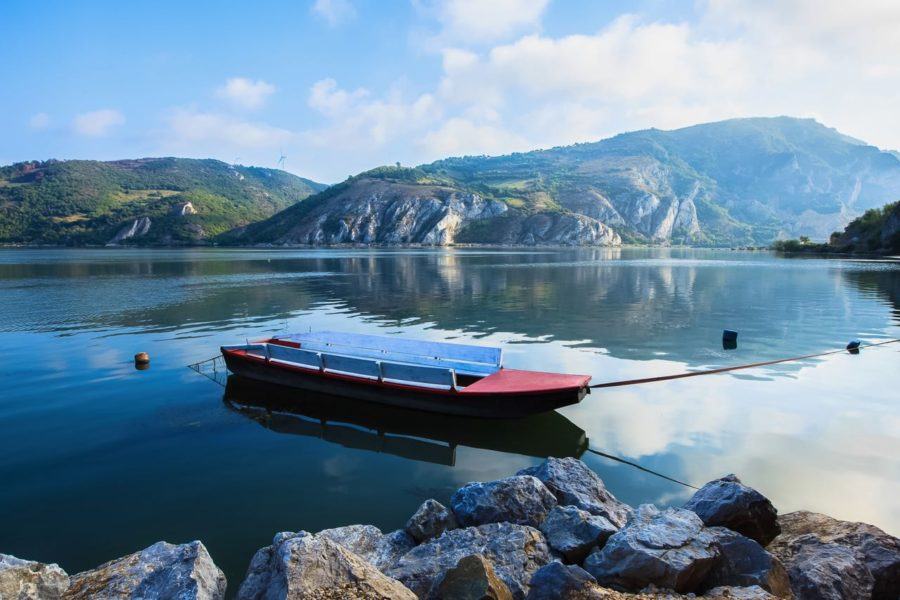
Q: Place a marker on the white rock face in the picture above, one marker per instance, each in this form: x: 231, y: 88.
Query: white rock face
x: 136, y: 228
x: 395, y: 214
x: 30, y: 580
x: 184, y: 209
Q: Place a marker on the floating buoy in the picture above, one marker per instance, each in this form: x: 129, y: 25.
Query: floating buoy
x: 853, y: 346
x: 142, y: 358
x: 729, y: 336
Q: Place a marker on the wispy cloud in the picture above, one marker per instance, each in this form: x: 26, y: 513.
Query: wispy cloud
x: 357, y: 119
x: 97, y: 123
x: 334, y: 12
x: 478, y: 21
x: 214, y: 130
x: 245, y: 93
x: 39, y: 121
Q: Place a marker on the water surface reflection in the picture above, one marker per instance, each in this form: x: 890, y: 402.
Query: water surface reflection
x: 106, y: 459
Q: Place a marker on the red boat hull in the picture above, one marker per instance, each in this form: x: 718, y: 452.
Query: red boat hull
x: 506, y: 394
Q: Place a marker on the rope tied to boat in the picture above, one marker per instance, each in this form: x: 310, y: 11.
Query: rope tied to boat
x: 732, y: 368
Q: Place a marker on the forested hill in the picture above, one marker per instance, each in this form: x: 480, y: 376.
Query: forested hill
x: 736, y: 182
x: 144, y: 201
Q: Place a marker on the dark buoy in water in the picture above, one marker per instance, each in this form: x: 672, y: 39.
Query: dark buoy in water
x: 729, y: 339
x: 853, y: 347
x: 141, y: 361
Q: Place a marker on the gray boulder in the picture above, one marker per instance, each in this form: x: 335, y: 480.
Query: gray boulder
x: 367, y: 541
x: 574, y: 532
x: 163, y: 570
x: 430, y: 520
x: 825, y: 571
x: 727, y: 502
x: 515, y: 551
x: 754, y: 592
x: 744, y: 563
x: 522, y: 499
x: 880, y: 551
x: 299, y: 566
x: 574, y: 484
x: 670, y: 549
x: 30, y: 580
x: 473, y: 578
x: 557, y: 581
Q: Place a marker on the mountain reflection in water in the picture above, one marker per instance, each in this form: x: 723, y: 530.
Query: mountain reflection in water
x: 104, y: 459
x: 416, y: 435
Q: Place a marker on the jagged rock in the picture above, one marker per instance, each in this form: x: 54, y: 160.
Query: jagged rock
x: 726, y: 502
x: 367, y: 541
x: 563, y: 230
x: 754, y: 592
x: 880, y: 551
x: 556, y: 581
x: 826, y: 571
x: 574, y: 532
x: 573, y: 483
x: 515, y: 551
x: 670, y: 549
x: 430, y: 520
x: 744, y: 563
x: 522, y: 499
x: 301, y: 565
x: 163, y: 570
x: 136, y: 228
x: 473, y: 578
x: 30, y: 580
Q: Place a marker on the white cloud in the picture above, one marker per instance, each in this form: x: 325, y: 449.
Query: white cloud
x: 245, y: 93
x: 356, y: 119
x: 215, y: 130
x: 460, y: 136
x: 477, y: 21
x: 739, y: 58
x: 334, y: 12
x: 39, y: 121
x: 98, y: 123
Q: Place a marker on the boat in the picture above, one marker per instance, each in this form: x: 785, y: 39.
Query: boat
x: 415, y: 435
x: 441, y: 377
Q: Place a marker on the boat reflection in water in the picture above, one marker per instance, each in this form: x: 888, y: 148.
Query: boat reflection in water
x: 421, y: 436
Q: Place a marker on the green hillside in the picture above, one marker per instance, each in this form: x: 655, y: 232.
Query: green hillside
x: 186, y: 201
x: 732, y: 183
x: 877, y: 231
x: 741, y: 181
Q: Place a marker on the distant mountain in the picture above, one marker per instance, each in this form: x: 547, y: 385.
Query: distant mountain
x: 148, y: 201
x: 736, y: 182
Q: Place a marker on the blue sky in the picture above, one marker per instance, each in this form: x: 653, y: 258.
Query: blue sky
x: 344, y: 85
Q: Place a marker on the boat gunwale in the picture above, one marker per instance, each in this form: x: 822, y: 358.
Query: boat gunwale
x: 243, y: 355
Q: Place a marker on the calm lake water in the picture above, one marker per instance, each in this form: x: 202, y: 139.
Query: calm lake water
x: 98, y: 459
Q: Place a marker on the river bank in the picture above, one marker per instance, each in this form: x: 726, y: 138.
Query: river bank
x: 550, y: 531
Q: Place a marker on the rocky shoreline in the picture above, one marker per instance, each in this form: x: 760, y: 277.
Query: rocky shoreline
x: 551, y: 531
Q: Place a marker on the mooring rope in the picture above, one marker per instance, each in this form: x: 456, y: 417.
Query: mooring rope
x: 637, y: 466
x: 732, y: 368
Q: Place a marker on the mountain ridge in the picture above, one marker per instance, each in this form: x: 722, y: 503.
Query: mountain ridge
x: 735, y: 182
x: 730, y: 183
x: 146, y: 201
